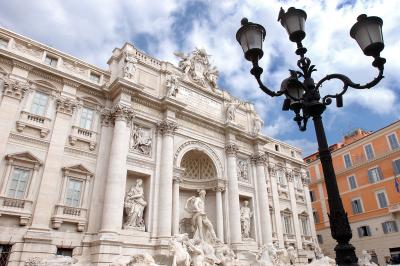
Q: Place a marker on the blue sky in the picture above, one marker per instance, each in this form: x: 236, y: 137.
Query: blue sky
x: 91, y: 29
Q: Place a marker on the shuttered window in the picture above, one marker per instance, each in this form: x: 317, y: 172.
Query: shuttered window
x: 347, y: 160
x: 86, y: 118
x: 369, y: 152
x: 389, y: 227
x: 18, y: 183
x: 73, y: 193
x: 396, y: 167
x: 352, y: 182
x: 39, y: 103
x: 374, y: 175
x: 394, y: 144
x: 382, y: 201
x: 364, y: 231
x: 356, y: 206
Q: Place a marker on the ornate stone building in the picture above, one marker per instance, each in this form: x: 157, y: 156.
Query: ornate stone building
x: 101, y: 164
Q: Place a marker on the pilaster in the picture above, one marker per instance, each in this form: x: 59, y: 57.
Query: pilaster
x: 277, y: 207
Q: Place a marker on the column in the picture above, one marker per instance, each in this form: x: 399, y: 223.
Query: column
x: 167, y: 128
x: 116, y: 173
x: 175, y: 206
x: 219, y: 212
x: 49, y: 185
x: 233, y: 195
x: 306, y: 182
x: 265, y: 217
x: 277, y: 207
x: 293, y: 204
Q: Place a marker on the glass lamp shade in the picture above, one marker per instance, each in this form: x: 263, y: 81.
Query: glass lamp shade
x: 251, y: 37
x: 368, y: 33
x: 293, y: 21
x: 294, y: 89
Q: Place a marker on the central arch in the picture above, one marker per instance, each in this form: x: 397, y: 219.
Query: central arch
x: 198, y: 166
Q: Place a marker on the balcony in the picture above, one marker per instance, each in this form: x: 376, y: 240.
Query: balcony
x: 393, y: 208
x: 68, y: 214
x: 21, y: 208
x: 37, y: 122
x: 306, y: 239
x: 289, y: 238
x: 83, y: 135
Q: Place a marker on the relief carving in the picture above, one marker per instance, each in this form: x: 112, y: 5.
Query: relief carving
x: 242, y: 171
x: 140, y: 140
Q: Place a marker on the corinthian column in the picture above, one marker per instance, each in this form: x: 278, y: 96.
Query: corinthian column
x: 293, y: 204
x: 233, y: 195
x: 277, y: 207
x: 175, y: 206
x: 265, y: 217
x: 219, y: 212
x: 166, y: 128
x: 116, y: 174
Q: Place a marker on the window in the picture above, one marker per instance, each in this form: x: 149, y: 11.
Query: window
x: 374, y: 175
x: 18, y: 183
x: 369, y: 152
x: 95, y: 77
x: 281, y: 177
x: 67, y: 252
x: 394, y: 144
x: 86, y: 118
x: 352, y: 182
x: 315, y: 216
x: 39, y: 103
x: 320, y: 239
x: 73, y: 195
x: 312, y: 196
x: 396, y: 167
x: 5, y: 251
x: 287, y: 224
x: 305, y: 226
x: 347, y: 160
x: 356, y: 206
x: 389, y: 227
x: 3, y: 43
x: 364, y: 231
x: 51, y: 61
x: 382, y: 200
x: 276, y: 147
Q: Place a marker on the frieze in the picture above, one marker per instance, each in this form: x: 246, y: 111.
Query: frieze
x: 167, y: 127
x: 45, y: 75
x: 199, y: 101
x: 83, y: 153
x: 201, y: 127
x: 145, y: 164
x: 74, y: 68
x: 28, y: 49
x: 27, y: 139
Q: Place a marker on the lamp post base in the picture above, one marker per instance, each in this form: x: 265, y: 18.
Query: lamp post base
x: 345, y: 255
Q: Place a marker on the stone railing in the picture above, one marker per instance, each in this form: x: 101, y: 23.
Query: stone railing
x: 84, y: 135
x: 21, y: 208
x: 394, y: 208
x: 305, y: 238
x: 69, y: 214
x: 289, y: 237
x: 38, y: 122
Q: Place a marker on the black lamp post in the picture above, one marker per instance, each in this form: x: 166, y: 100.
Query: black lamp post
x: 303, y: 97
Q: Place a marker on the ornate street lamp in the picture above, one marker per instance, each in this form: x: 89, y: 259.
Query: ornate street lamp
x: 303, y: 98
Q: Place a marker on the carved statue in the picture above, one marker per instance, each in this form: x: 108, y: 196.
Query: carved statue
x: 365, y: 259
x: 231, y: 111
x: 203, y: 229
x: 196, y: 252
x: 245, y: 219
x: 141, y: 260
x: 242, y: 170
x: 258, y: 124
x: 186, y: 61
x: 129, y: 67
x: 134, y: 207
x: 178, y: 247
x: 272, y: 252
x: 172, y: 85
x: 292, y: 255
x: 139, y: 141
x: 212, y: 76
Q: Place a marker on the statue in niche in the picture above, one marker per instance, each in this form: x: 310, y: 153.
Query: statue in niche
x: 245, y: 219
x: 172, y: 85
x: 242, y: 170
x: 203, y: 228
x: 231, y: 111
x: 140, y: 141
x: 134, y: 206
x: 129, y: 67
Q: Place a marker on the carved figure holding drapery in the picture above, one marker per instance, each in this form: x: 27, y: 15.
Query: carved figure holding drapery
x: 258, y: 124
x: 231, y: 111
x: 129, y: 67
x: 212, y: 76
x: 245, y: 219
x: 172, y: 85
x: 134, y: 206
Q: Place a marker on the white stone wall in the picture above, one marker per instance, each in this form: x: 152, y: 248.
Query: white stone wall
x: 55, y: 148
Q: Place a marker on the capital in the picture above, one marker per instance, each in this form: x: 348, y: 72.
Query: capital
x: 258, y: 159
x: 122, y: 112
x: 219, y: 188
x: 66, y: 105
x: 15, y: 89
x: 231, y: 149
x: 272, y: 169
x: 106, y: 117
x: 289, y: 175
x: 167, y: 127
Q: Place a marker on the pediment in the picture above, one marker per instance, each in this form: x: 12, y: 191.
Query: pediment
x: 79, y: 169
x: 25, y: 157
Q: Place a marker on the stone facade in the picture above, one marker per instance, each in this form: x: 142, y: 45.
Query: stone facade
x: 75, y: 139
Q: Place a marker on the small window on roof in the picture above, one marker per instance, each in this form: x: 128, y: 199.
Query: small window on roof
x: 51, y: 61
x: 276, y: 147
x: 94, y: 77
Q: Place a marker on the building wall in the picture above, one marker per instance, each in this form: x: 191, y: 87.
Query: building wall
x: 55, y: 148
x: 372, y: 214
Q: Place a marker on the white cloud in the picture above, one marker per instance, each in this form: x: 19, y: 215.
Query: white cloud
x: 308, y: 147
